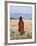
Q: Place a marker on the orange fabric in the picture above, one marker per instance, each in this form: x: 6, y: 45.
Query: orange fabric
x: 21, y: 26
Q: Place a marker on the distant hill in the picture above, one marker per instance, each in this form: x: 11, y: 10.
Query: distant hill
x: 18, y: 18
x: 24, y: 16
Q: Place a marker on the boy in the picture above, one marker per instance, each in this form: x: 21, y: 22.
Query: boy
x: 21, y: 25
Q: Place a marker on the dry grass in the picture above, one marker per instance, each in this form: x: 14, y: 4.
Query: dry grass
x: 14, y: 34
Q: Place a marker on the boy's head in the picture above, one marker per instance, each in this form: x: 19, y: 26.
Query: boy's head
x: 20, y: 18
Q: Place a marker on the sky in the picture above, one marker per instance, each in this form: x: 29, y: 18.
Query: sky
x: 24, y: 11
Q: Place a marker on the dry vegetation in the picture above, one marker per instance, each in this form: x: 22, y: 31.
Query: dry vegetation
x: 14, y: 34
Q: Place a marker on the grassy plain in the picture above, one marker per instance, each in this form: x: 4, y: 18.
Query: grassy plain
x: 15, y: 35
